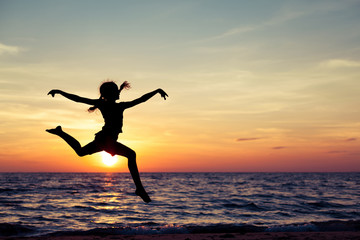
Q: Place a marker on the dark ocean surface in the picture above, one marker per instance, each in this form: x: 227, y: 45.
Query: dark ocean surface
x: 34, y: 204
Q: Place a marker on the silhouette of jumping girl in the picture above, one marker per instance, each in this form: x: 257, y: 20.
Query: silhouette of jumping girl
x: 106, y: 139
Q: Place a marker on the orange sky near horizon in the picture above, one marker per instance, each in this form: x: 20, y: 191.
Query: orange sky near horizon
x: 253, y: 86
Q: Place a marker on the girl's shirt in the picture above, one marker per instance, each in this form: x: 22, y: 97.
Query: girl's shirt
x: 113, y: 114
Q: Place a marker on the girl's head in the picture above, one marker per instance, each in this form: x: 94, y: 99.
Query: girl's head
x: 110, y: 91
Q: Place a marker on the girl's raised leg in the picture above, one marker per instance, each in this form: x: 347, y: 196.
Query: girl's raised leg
x: 81, y: 151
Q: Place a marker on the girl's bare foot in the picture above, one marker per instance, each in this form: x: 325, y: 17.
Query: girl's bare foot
x: 142, y: 193
x: 55, y: 131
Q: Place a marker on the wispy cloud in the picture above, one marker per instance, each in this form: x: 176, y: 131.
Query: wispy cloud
x: 7, y: 49
x: 246, y: 139
x: 336, y: 152
x: 278, y: 148
x: 288, y: 13
x: 350, y: 139
x: 235, y: 31
x: 340, y: 63
x: 269, y: 22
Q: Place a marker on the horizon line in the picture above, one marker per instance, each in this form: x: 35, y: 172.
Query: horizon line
x: 190, y: 172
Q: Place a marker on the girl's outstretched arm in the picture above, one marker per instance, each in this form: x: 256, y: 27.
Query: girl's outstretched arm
x: 73, y: 97
x: 146, y: 97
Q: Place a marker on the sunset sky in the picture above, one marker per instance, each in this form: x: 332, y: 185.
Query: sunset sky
x: 253, y: 85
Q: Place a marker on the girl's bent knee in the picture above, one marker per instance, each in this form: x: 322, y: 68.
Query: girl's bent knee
x: 81, y: 153
x: 131, y: 155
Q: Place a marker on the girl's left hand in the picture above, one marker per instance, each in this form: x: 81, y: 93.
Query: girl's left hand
x: 163, y: 93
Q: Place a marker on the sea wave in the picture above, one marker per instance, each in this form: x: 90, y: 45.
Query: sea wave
x: 11, y: 230
x: 8, y: 230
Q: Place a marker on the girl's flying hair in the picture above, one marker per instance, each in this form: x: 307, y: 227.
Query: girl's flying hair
x: 125, y: 85
x: 108, y: 89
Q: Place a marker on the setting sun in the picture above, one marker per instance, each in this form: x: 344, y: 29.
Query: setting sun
x: 107, y: 159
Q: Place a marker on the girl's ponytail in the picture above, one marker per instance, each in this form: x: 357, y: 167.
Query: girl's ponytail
x: 125, y: 85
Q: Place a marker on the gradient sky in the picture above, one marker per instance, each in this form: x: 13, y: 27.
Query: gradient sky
x: 253, y: 85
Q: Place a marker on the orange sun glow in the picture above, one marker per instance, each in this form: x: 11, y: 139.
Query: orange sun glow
x: 107, y: 159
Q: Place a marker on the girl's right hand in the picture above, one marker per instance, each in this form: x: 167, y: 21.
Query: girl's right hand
x: 53, y: 92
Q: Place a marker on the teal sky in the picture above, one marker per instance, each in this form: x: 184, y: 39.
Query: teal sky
x: 248, y: 81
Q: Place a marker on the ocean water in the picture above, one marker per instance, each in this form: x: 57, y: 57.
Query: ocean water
x: 34, y: 204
